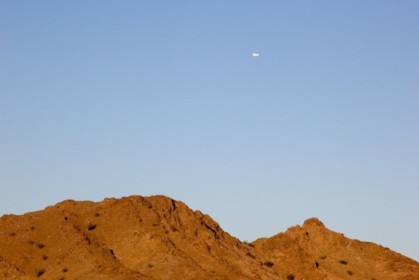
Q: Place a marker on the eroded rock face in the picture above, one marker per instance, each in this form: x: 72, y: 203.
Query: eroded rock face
x: 129, y: 238
x: 315, y: 252
x: 159, y: 238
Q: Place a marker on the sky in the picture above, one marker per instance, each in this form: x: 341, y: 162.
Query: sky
x: 115, y: 98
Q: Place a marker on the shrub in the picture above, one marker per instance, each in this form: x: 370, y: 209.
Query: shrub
x: 39, y: 271
x: 90, y: 225
x: 350, y: 273
x: 268, y: 264
x: 343, y: 262
x: 290, y: 277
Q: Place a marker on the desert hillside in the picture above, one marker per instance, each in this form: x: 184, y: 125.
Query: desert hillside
x: 312, y: 251
x: 159, y: 238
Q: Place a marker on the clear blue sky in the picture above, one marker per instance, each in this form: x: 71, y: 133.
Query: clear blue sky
x: 113, y: 98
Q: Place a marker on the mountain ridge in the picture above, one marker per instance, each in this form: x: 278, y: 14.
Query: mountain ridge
x: 158, y: 237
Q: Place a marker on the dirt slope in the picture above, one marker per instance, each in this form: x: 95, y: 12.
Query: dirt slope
x: 160, y: 238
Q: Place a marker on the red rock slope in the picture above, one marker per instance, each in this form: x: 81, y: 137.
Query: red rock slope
x: 160, y: 238
x: 314, y: 252
x: 129, y: 238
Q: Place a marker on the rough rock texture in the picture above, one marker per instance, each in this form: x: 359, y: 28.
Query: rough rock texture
x: 159, y: 238
x: 314, y: 252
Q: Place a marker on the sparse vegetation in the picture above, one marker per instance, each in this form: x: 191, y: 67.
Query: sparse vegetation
x: 277, y: 257
x: 39, y: 271
x: 90, y: 225
x: 268, y: 264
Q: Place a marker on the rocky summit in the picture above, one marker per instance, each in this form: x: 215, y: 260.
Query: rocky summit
x: 160, y: 238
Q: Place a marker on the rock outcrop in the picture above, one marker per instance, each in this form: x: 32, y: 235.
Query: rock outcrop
x: 159, y: 238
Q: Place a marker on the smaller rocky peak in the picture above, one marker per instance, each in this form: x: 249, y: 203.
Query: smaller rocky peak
x: 313, y: 222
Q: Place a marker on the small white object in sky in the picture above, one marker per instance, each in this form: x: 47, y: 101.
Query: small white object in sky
x: 255, y: 54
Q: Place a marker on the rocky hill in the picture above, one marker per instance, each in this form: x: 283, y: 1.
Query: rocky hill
x: 315, y: 252
x: 159, y: 238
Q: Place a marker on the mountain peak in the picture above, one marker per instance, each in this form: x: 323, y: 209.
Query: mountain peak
x: 313, y: 222
x: 158, y: 237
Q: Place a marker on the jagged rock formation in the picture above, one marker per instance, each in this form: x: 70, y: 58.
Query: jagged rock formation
x: 160, y: 238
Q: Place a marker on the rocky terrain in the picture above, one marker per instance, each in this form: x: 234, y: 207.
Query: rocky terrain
x: 159, y: 238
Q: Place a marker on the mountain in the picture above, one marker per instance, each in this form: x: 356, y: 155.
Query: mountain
x: 159, y: 238
x: 315, y: 252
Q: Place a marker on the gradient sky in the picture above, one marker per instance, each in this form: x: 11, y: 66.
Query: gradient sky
x: 114, y: 98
